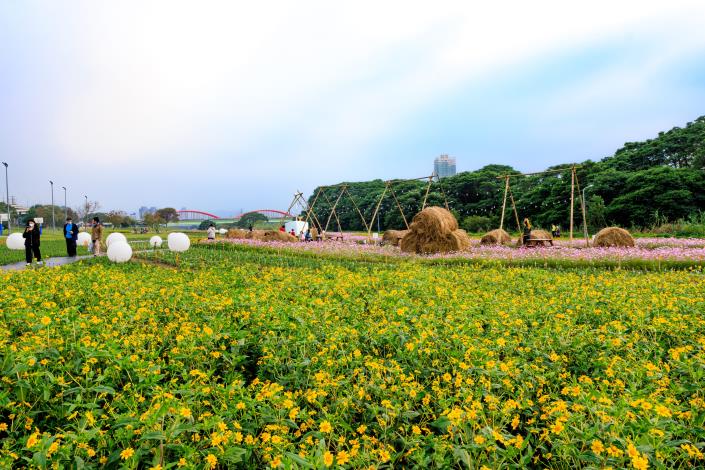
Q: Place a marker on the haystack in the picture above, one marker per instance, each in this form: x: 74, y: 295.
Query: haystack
x: 276, y: 235
x: 271, y: 236
x: 496, y: 237
x: 613, y: 236
x: 393, y: 237
x: 254, y: 235
x: 537, y: 234
x: 434, y: 230
x: 236, y: 233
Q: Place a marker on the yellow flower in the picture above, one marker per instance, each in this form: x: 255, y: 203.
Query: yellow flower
x: 328, y: 459
x: 45, y: 320
x: 181, y: 462
x: 127, y: 453
x: 361, y: 429
x: 479, y: 440
x: 185, y: 412
x: 640, y: 462
x: 557, y: 428
x: 3, y: 426
x: 211, y: 460
x: 342, y: 457
x: 597, y: 447
x: 32, y: 441
x: 326, y: 427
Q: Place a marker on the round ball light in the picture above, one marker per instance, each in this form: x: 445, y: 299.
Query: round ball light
x: 156, y: 241
x: 119, y: 252
x: 115, y: 237
x: 84, y: 239
x: 178, y: 242
x: 15, y: 241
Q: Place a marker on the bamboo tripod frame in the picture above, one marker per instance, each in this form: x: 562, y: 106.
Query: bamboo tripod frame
x: 389, y: 186
x: 310, y: 214
x: 573, y: 184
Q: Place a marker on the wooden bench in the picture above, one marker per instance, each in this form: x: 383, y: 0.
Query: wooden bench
x: 538, y: 242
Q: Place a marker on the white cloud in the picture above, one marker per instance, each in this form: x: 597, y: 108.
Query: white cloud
x: 136, y: 81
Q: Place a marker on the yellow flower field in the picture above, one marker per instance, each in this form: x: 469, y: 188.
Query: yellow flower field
x: 238, y: 362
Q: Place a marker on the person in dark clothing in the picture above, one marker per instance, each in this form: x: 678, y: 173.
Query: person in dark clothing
x: 31, y: 237
x: 71, y: 235
x: 526, y: 235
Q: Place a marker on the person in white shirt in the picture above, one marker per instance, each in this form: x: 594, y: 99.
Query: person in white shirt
x: 211, y: 232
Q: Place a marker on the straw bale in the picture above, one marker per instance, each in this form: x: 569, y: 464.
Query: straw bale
x: 496, y: 237
x: 613, y: 236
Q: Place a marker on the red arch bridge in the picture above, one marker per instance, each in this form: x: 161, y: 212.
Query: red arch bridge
x: 270, y: 214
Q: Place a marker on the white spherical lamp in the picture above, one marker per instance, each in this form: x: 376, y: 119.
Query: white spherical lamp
x: 15, y: 241
x: 155, y: 241
x: 115, y: 237
x: 119, y: 252
x: 84, y: 239
x: 178, y: 242
x: 222, y: 231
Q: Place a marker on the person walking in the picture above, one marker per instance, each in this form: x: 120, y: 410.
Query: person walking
x: 32, y: 237
x: 211, y: 232
x: 71, y: 236
x: 96, y: 235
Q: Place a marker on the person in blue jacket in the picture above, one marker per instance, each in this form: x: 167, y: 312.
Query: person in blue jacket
x: 71, y: 236
x: 31, y: 237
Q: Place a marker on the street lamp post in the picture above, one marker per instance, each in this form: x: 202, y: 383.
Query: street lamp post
x: 66, y: 209
x: 85, y: 217
x: 7, y: 200
x: 584, y: 215
x: 53, y: 219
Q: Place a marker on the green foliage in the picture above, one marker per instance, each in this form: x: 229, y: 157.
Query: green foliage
x: 477, y: 223
x: 168, y: 215
x: 251, y: 219
x: 665, y: 174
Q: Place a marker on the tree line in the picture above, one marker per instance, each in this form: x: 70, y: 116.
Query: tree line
x: 642, y: 184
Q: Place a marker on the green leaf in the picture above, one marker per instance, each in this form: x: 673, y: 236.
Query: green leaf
x: 299, y: 460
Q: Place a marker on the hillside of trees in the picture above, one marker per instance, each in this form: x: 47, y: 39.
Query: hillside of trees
x: 641, y: 185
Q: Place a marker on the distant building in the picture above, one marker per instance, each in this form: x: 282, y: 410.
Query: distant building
x: 444, y: 166
x: 146, y: 210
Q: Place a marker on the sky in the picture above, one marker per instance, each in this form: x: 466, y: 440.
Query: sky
x: 229, y: 106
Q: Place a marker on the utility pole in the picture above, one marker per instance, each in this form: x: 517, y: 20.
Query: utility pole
x: 66, y: 209
x: 7, y: 196
x: 53, y: 219
x: 85, y: 217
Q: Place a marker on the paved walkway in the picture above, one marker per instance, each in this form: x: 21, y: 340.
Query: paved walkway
x: 59, y: 261
x: 50, y: 262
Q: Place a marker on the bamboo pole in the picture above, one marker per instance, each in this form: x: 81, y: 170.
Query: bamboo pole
x: 364, y: 222
x: 516, y: 214
x: 582, y: 207
x: 428, y: 189
x: 309, y: 211
x: 394, y: 195
x: 547, y: 172
x: 332, y: 211
x: 504, y: 202
x: 297, y: 194
x: 572, y: 201
x: 379, y: 203
x: 445, y: 198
